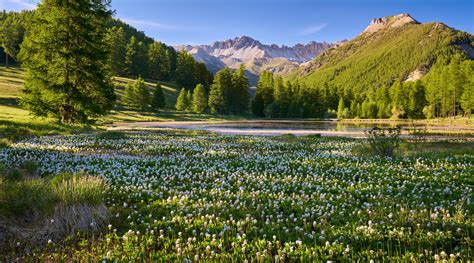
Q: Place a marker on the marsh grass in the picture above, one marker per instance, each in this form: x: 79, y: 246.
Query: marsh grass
x: 407, y: 148
x: 34, y: 209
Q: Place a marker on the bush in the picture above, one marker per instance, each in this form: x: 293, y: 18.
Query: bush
x: 384, y: 141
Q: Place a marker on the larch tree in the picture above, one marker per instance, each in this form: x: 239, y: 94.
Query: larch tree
x: 158, y: 101
x: 240, y: 91
x: 220, y: 90
x: 158, y: 61
x: 118, y: 50
x: 65, y: 58
x: 136, y: 58
x: 181, y: 102
x: 199, y: 99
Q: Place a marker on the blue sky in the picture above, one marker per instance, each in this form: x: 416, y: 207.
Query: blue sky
x: 272, y: 21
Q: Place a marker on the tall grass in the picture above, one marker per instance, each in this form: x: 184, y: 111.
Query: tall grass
x: 78, y: 189
x: 24, y: 193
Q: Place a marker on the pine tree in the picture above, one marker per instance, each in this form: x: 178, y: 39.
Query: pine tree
x: 281, y: 96
x: 65, y: 61
x: 158, y: 101
x: 220, y: 90
x: 189, y: 100
x: 118, y: 50
x: 12, y: 31
x: 184, y: 74
x: 467, y: 98
x: 181, y: 102
x: 136, y: 58
x: 142, y: 95
x: 129, y: 97
x: 240, y: 96
x: 264, y: 94
x: 417, y: 101
x: 158, y: 62
x: 199, y: 99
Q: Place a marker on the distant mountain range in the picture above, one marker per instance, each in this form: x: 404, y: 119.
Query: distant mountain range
x: 255, y: 55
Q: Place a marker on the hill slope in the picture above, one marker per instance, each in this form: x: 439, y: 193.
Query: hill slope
x: 390, y: 48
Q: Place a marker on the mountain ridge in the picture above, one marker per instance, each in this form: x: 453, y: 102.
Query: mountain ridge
x: 255, y: 55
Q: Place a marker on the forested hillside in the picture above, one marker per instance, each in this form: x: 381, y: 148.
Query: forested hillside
x: 132, y: 53
x: 381, y: 73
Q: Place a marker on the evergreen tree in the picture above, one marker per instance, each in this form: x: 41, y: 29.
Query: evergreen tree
x: 12, y: 31
x: 220, y: 90
x: 65, y: 61
x: 158, y: 61
x: 264, y: 94
x: 239, y: 97
x: 181, y: 102
x: 142, y: 93
x: 199, y: 99
x: 136, y: 58
x: 136, y: 95
x: 184, y: 74
x: 189, y: 100
x: 201, y: 74
x: 158, y: 101
x: 467, y: 98
x: 118, y: 50
x: 129, y: 96
x: 281, y: 96
x: 417, y: 101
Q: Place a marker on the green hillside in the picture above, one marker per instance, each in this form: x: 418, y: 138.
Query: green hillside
x: 15, y: 121
x: 379, y: 58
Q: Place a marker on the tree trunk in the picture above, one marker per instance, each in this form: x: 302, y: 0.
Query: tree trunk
x: 6, y: 60
x: 66, y: 114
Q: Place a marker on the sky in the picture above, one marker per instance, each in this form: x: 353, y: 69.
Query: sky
x: 282, y: 22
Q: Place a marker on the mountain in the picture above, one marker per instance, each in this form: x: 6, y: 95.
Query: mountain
x: 254, y: 55
x: 390, y: 48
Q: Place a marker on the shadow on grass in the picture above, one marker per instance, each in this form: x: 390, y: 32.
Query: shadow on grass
x: 14, y: 130
x: 9, y: 102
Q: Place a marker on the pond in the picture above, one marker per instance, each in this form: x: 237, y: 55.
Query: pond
x: 296, y: 127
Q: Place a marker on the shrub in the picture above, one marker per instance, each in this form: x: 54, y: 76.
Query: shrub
x: 384, y: 141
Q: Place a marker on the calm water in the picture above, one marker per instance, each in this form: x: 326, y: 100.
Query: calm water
x: 262, y: 127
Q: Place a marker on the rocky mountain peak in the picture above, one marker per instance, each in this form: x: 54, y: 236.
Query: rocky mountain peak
x: 389, y: 22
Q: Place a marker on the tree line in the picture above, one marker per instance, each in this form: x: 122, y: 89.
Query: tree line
x: 447, y: 90
x: 228, y: 94
x: 131, y: 52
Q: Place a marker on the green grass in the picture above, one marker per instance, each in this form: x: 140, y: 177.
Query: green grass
x: 24, y: 192
x: 16, y: 122
x: 432, y: 149
x: 170, y: 90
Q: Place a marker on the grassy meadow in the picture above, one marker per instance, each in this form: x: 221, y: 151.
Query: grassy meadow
x: 194, y: 196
